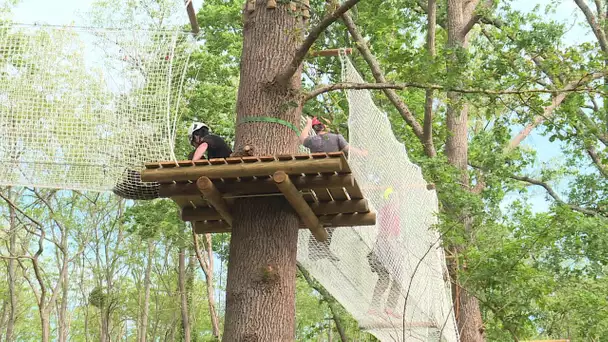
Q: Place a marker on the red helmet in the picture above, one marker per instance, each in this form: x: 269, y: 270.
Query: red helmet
x: 316, y: 121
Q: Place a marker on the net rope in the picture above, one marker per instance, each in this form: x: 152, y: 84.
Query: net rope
x: 398, y: 264
x: 85, y: 108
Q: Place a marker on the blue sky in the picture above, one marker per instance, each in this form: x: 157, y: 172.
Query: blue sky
x: 72, y: 12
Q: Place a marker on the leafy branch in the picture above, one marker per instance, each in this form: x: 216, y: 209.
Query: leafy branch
x: 571, y: 88
x: 284, y: 77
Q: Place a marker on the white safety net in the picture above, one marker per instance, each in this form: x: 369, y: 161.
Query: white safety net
x: 392, y: 276
x: 85, y: 108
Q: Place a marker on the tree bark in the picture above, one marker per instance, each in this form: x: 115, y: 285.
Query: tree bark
x: 260, y: 293
x: 46, y: 325
x: 146, y: 309
x: 181, y: 279
x: 10, y: 323
x: 468, y: 313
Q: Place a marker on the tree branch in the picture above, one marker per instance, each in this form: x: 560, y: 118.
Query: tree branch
x: 555, y: 196
x: 329, y: 299
x: 9, y: 202
x: 595, y: 27
x: 313, y: 34
x: 379, y: 77
x: 549, y: 110
x: 427, y: 125
x: 573, y: 88
x: 597, y: 161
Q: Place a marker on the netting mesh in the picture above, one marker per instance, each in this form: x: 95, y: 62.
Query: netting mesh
x: 391, y: 277
x: 85, y: 108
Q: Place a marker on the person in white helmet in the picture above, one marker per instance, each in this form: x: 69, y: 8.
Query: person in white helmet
x: 203, y: 141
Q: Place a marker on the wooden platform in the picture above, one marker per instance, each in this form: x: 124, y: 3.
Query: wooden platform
x: 319, y: 186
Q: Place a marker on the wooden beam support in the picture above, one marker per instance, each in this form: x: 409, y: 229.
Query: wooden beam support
x: 349, y: 220
x: 299, y: 205
x: 291, y: 167
x: 329, y: 53
x: 320, y: 209
x: 261, y: 186
x: 213, y: 196
x: 211, y: 227
x: 200, y: 214
x: 342, y: 207
x: 342, y: 220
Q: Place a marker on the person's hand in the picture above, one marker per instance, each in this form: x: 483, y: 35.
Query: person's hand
x: 308, y: 121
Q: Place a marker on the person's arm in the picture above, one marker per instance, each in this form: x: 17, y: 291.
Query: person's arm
x: 306, y: 130
x: 345, y: 146
x: 200, y: 151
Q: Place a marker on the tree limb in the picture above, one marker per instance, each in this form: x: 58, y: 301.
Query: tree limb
x: 427, y: 125
x: 9, y: 202
x: 574, y: 88
x: 284, y: 77
x: 555, y: 196
x: 379, y: 77
x: 592, y: 152
x: 549, y: 110
x: 595, y: 27
x: 329, y: 299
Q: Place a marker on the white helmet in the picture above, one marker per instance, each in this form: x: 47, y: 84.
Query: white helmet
x: 195, y: 127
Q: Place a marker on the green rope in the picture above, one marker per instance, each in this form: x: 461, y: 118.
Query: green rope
x: 269, y: 119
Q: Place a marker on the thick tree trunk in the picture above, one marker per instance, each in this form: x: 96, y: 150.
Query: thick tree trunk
x: 260, y: 299
x: 468, y: 314
x: 10, y: 323
x: 146, y: 308
x: 181, y: 279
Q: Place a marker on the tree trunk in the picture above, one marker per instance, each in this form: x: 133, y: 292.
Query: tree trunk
x: 46, y: 326
x: 144, y: 315
x: 10, y: 323
x: 190, y: 275
x: 181, y: 279
x: 63, y: 304
x: 210, y: 285
x: 260, y: 293
x: 468, y: 314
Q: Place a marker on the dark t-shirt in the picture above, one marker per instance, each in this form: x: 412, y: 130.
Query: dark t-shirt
x: 217, y: 147
x: 328, y: 142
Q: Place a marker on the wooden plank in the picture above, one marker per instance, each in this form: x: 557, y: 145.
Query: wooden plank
x: 213, y: 196
x: 349, y: 220
x: 200, y: 214
x: 250, y: 159
x: 211, y: 227
x: 344, y: 207
x: 266, y: 158
x: 261, y: 185
x: 354, y: 192
x: 302, y: 156
x: 285, y: 157
x: 217, y: 161
x: 331, y: 208
x: 291, y: 167
x: 185, y: 163
x: 299, y: 205
x: 322, y: 194
x: 168, y: 164
x: 201, y: 162
x: 338, y: 194
x: 152, y: 165
x: 234, y: 160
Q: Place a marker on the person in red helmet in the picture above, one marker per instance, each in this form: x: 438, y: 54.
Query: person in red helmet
x: 323, y: 141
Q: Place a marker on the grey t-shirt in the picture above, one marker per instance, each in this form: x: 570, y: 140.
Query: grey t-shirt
x: 328, y: 142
